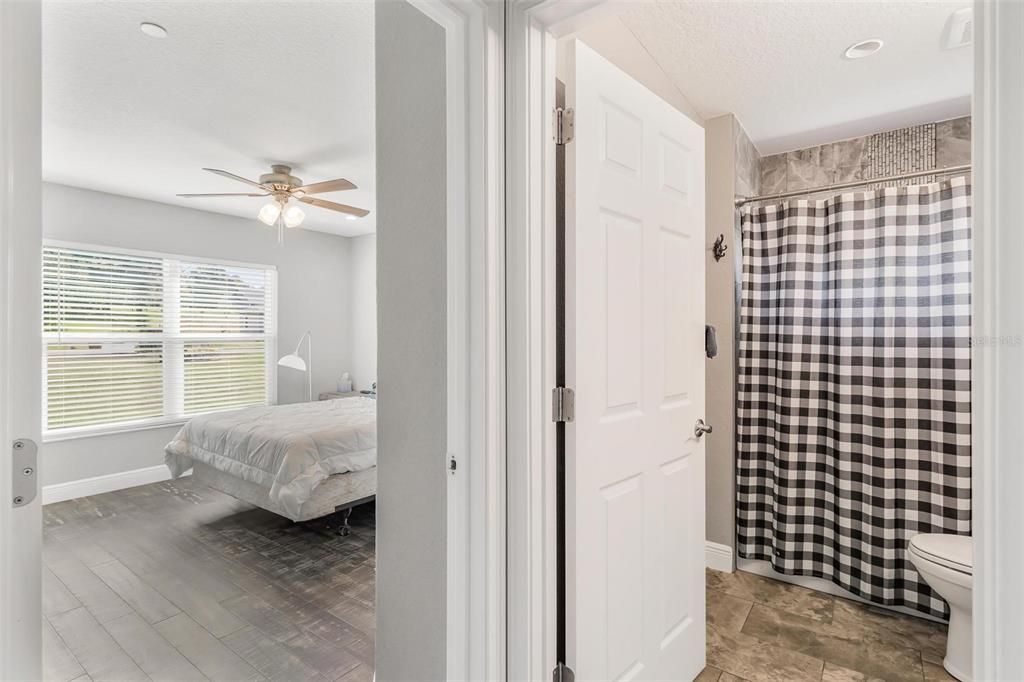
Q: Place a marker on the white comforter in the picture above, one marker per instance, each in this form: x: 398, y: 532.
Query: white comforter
x: 289, y: 449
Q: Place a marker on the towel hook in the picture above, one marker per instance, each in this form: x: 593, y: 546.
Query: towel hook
x: 719, y: 248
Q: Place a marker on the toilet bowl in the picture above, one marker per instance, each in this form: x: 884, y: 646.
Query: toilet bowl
x: 945, y: 562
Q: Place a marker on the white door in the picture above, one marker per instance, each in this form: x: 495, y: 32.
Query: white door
x: 20, y: 350
x: 635, y: 356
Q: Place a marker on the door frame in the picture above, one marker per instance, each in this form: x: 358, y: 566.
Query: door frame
x: 475, y: 593
x: 475, y: 587
x: 20, y: 327
x: 532, y: 27
x: 998, y: 330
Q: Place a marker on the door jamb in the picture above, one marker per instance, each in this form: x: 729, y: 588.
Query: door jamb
x: 997, y: 328
x: 475, y: 579
x: 532, y: 27
x: 20, y: 312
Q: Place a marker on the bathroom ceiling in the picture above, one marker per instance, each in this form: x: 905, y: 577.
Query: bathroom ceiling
x: 233, y: 85
x: 779, y: 66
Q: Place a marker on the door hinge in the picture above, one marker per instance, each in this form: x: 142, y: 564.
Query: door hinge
x: 563, y: 404
x: 23, y: 475
x: 563, y: 125
x: 562, y: 673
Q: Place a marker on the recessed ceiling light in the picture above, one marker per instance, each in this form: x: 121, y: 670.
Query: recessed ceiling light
x: 351, y: 217
x: 864, y: 48
x: 153, y: 30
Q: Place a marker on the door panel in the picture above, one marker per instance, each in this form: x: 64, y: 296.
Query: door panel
x: 634, y: 354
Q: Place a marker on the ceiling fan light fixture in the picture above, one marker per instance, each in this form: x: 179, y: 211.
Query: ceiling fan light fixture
x: 269, y: 213
x: 293, y: 216
x: 282, y: 187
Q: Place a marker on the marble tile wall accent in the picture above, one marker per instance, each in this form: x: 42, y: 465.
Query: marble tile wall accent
x: 953, y: 142
x: 748, y: 171
x: 922, y: 147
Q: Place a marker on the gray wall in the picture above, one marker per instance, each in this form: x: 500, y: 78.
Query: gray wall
x: 313, y: 293
x: 364, y: 310
x: 732, y: 169
x: 411, y: 518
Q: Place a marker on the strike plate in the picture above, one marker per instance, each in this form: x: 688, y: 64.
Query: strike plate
x: 23, y: 475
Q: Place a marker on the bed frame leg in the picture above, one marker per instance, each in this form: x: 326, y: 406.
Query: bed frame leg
x: 345, y: 529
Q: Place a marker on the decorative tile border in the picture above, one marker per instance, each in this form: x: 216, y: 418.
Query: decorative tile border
x: 922, y: 147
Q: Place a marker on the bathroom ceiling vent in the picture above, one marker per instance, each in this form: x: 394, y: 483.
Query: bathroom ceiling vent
x: 864, y: 48
x: 959, y: 29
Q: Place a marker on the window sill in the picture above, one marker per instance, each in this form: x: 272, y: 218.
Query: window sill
x: 59, y: 436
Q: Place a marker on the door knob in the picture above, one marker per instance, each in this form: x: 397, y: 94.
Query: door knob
x: 700, y: 428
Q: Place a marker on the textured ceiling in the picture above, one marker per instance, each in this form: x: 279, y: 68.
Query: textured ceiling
x: 234, y: 85
x: 779, y: 66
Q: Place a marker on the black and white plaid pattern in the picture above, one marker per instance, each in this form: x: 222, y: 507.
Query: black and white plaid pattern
x: 855, y: 385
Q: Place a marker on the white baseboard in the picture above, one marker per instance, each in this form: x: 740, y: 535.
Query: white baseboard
x: 104, y: 484
x: 718, y: 557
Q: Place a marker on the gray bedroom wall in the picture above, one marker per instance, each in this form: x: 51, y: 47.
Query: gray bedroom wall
x: 411, y: 490
x: 314, y: 293
x: 364, y: 310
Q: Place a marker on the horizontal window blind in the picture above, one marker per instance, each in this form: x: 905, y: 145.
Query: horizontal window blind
x: 87, y: 292
x: 220, y: 375
x: 133, y: 339
x: 103, y: 383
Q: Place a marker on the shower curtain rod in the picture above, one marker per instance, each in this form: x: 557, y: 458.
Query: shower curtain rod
x: 949, y: 170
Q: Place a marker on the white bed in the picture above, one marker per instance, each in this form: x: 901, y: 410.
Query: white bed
x: 301, y: 461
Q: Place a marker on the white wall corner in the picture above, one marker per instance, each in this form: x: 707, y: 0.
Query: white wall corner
x: 97, y: 485
x: 718, y: 557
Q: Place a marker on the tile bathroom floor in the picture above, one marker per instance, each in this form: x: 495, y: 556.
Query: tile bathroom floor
x: 765, y: 630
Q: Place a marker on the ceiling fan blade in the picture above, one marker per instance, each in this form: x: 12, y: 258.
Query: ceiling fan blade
x: 326, y: 186
x: 228, y: 194
x: 232, y: 176
x: 340, y: 208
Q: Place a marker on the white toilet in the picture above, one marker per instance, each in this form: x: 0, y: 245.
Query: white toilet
x: 945, y: 562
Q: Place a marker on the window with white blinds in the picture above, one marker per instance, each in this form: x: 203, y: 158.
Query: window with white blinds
x: 133, y: 339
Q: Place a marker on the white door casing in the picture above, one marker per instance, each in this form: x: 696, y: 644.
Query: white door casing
x: 20, y: 293
x: 635, y: 356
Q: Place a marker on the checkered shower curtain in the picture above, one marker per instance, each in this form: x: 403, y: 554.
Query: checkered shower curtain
x: 854, y: 402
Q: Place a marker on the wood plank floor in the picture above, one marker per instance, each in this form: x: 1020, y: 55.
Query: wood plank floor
x: 175, y: 581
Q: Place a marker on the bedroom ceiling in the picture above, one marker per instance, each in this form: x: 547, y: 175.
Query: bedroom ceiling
x: 235, y: 86
x: 779, y: 66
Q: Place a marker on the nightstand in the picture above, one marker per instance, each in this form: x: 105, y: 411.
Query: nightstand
x: 331, y: 395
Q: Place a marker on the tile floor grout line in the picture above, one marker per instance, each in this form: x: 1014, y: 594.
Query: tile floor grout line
x: 65, y: 643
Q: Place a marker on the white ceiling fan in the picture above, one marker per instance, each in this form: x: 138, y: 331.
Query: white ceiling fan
x: 283, y: 187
